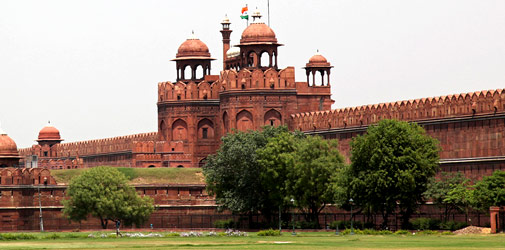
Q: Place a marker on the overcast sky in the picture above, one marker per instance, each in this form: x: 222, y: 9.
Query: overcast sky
x: 92, y: 67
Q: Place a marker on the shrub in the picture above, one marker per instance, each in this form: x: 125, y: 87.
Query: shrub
x: 52, y: 236
x: 172, y: 234
x: 269, y: 232
x: 402, y: 232
x: 230, y: 223
x: 22, y: 236
x: 452, y: 225
x: 447, y: 233
x: 428, y: 232
x: 425, y: 223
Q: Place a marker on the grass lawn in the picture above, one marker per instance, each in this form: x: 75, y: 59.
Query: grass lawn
x: 319, y: 240
x: 143, y: 175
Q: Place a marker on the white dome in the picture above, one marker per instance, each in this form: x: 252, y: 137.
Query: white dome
x: 233, y: 52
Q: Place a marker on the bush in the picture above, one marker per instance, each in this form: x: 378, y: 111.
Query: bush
x: 402, y: 232
x: 425, y: 224
x: 428, y: 232
x: 230, y: 223
x: 447, y: 233
x: 172, y: 234
x: 22, y: 236
x: 452, y: 225
x: 52, y: 236
x: 269, y: 232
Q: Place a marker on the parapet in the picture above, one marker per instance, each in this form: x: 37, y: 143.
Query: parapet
x: 467, y: 104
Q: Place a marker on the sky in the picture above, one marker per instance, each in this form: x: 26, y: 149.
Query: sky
x: 92, y: 67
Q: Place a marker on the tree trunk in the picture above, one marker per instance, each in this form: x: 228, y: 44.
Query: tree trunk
x: 104, y: 223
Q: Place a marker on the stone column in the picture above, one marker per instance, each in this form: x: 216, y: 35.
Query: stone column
x: 494, y: 213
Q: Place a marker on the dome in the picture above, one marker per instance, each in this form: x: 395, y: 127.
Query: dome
x: 233, y: 52
x: 49, y: 133
x: 258, y: 33
x: 193, y: 47
x: 318, y: 60
x: 8, y: 147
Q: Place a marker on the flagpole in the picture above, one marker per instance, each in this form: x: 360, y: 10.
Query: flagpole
x: 268, y: 7
x: 247, y: 15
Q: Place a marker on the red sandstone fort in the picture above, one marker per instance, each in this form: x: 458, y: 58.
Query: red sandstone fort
x: 196, y: 110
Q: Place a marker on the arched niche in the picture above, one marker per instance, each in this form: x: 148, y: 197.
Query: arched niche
x: 179, y: 130
x: 163, y: 131
x: 226, y: 122
x: 205, y: 129
x: 244, y: 121
x: 273, y: 118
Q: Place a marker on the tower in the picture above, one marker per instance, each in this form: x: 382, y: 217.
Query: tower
x: 9, y: 156
x: 226, y: 32
x: 194, y: 54
x: 318, y: 63
x: 258, y: 40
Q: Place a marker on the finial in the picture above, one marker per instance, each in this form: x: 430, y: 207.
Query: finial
x: 193, y: 36
x: 49, y: 122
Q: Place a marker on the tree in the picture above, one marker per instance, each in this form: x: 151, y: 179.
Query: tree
x: 490, y: 191
x: 390, y: 167
x: 103, y: 192
x: 460, y: 196
x: 448, y: 192
x: 233, y: 173
x: 310, y: 179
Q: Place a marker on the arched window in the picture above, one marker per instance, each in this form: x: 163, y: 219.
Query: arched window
x: 244, y: 121
x: 273, y: 118
x: 265, y: 59
x: 199, y: 72
x: 180, y: 166
x: 187, y: 74
x: 179, y: 130
x: 205, y: 129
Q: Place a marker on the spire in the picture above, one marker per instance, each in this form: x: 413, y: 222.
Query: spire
x: 256, y: 15
x: 193, y: 36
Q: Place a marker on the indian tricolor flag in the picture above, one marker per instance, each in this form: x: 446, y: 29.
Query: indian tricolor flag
x: 245, y: 15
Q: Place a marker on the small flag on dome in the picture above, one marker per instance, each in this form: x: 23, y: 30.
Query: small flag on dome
x: 245, y: 15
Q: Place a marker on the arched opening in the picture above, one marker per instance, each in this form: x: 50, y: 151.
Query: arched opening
x: 244, y: 121
x: 205, y: 129
x: 318, y: 78
x: 162, y: 130
x: 187, y: 74
x: 199, y: 72
x: 252, y: 59
x: 151, y: 166
x: 180, y: 166
x: 265, y: 59
x: 202, y: 162
x: 273, y: 118
x: 179, y: 130
x: 226, y: 123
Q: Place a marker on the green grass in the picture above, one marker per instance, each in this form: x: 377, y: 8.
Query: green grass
x: 142, y: 175
x: 303, y: 240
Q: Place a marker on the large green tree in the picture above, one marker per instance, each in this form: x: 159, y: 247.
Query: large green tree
x: 233, y: 173
x: 391, y: 165
x: 490, y: 191
x: 104, y: 193
x: 309, y: 180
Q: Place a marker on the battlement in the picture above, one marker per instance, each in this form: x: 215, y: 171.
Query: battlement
x: 258, y: 79
x: 458, y: 105
x: 91, y: 147
x: 168, y: 91
x: 26, y: 176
